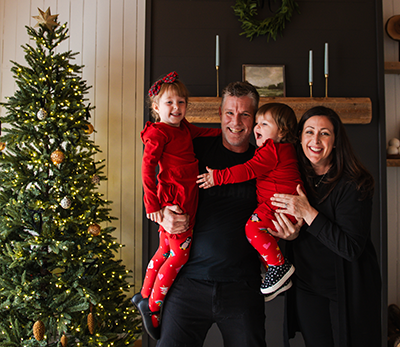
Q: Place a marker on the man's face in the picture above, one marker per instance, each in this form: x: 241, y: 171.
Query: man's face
x: 237, y: 120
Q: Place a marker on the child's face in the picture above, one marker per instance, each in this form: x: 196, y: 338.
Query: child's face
x: 171, y: 108
x: 265, y: 129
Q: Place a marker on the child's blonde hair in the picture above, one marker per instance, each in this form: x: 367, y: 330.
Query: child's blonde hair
x: 177, y: 87
x: 284, y: 117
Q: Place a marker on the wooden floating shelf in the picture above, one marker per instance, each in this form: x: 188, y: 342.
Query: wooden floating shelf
x: 393, y: 160
x: 350, y: 110
x: 392, y: 67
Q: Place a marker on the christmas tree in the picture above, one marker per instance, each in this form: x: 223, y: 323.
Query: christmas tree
x: 60, y: 284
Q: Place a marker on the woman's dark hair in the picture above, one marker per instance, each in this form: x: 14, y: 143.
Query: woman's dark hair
x: 284, y: 117
x: 344, y: 160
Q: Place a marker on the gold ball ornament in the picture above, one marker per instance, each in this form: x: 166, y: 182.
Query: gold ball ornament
x: 39, y: 330
x: 66, y: 203
x: 42, y: 114
x: 2, y: 146
x: 94, y: 229
x: 89, y: 128
x: 64, y: 341
x: 57, y: 157
x: 96, y: 179
x: 90, y: 323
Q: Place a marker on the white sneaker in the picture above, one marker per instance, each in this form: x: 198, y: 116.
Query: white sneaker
x: 276, y: 276
x: 273, y: 295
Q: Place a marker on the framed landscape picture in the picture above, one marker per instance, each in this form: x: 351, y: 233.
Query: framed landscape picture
x: 269, y: 80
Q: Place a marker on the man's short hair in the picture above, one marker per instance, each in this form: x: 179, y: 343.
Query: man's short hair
x: 240, y: 89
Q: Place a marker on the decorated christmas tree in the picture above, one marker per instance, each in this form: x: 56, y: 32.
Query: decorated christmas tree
x: 60, y: 282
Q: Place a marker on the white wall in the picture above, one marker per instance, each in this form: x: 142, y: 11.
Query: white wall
x: 392, y: 90
x: 109, y: 35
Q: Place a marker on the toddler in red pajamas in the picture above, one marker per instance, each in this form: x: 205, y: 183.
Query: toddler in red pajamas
x: 275, y: 168
x: 168, y: 145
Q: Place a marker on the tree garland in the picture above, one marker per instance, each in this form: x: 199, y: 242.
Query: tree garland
x: 246, y: 10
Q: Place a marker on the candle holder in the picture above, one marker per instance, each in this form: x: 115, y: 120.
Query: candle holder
x: 217, y: 68
x: 326, y: 85
x: 310, y: 83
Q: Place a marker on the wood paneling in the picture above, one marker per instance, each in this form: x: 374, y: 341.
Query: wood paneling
x: 109, y: 36
x: 392, y: 95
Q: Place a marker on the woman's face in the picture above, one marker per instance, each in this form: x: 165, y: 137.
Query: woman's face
x: 317, y: 141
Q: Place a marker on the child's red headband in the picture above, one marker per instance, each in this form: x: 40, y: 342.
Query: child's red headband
x: 170, y: 78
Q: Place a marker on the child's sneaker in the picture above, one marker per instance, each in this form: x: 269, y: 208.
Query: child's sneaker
x: 273, y: 295
x: 276, y: 276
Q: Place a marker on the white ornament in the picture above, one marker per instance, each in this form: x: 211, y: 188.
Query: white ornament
x: 42, y: 114
x: 394, y: 142
x: 393, y: 150
x: 66, y: 203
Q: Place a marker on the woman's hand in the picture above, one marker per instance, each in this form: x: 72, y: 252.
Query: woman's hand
x: 285, y: 229
x: 296, y: 205
x: 174, y: 222
x: 206, y: 179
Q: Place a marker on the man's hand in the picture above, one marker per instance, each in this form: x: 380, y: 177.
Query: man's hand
x: 174, y: 222
x: 206, y: 180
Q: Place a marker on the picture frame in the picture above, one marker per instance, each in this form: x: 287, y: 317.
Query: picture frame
x: 269, y: 80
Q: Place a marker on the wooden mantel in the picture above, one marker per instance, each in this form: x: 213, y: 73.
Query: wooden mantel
x: 350, y: 110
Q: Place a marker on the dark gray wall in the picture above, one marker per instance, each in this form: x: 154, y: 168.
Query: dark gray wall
x: 181, y: 37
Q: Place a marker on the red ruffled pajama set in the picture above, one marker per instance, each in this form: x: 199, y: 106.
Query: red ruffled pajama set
x: 275, y: 168
x: 172, y: 149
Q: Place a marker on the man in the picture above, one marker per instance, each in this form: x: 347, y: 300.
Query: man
x: 220, y: 283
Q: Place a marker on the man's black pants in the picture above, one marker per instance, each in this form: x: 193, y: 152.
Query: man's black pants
x: 192, y: 306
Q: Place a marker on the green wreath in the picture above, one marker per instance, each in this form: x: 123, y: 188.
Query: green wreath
x: 271, y: 26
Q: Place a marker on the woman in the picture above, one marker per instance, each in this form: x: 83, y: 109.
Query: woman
x: 335, y: 299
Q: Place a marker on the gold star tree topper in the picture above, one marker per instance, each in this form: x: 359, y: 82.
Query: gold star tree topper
x: 46, y: 18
